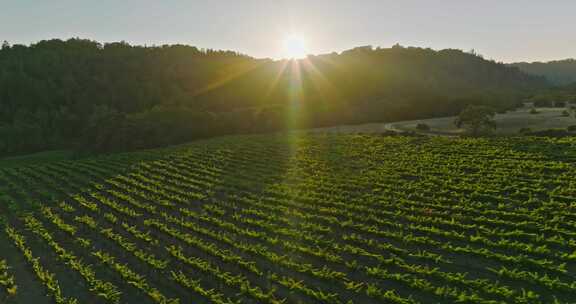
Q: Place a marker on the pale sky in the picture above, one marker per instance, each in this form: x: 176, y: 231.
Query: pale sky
x: 503, y: 30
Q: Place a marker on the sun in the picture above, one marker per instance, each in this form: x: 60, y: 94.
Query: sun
x: 294, y: 47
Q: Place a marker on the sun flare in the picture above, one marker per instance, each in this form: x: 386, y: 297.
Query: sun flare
x: 294, y: 47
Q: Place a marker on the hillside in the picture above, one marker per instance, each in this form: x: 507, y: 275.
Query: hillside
x: 296, y: 219
x: 559, y: 72
x: 84, y: 95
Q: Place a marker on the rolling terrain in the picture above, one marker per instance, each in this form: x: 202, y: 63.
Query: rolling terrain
x: 296, y: 219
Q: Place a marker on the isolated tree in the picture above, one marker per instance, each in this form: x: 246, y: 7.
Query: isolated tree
x: 525, y: 131
x: 422, y: 127
x: 477, y: 120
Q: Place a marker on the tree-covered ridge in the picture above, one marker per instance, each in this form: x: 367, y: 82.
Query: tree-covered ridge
x: 559, y: 72
x: 116, y: 96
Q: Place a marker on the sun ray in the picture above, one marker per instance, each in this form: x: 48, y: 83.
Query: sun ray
x: 276, y: 78
x: 231, y: 72
x: 330, y: 95
x: 296, y: 95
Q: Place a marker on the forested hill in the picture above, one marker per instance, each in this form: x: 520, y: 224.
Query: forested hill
x: 560, y: 72
x: 86, y: 95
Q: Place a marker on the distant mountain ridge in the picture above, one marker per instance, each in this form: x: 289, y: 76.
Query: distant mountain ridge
x: 558, y: 72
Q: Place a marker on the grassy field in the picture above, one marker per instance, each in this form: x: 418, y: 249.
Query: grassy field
x: 296, y: 219
x: 509, y: 123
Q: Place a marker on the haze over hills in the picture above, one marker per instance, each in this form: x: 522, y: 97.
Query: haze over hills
x: 558, y: 72
x: 115, y: 96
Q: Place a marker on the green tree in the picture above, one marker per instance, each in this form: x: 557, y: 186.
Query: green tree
x: 477, y: 120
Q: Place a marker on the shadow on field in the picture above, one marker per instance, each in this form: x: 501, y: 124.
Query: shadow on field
x: 28, y: 186
x: 548, y: 148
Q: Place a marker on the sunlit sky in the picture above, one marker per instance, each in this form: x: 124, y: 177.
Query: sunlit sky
x: 503, y: 30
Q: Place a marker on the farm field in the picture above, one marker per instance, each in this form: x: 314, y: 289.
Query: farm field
x: 318, y: 218
x: 41, y: 157
x: 509, y: 123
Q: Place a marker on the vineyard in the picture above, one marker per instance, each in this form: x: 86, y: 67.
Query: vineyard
x: 296, y: 219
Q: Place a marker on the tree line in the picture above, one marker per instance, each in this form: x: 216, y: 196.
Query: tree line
x: 558, y: 72
x: 85, y: 95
